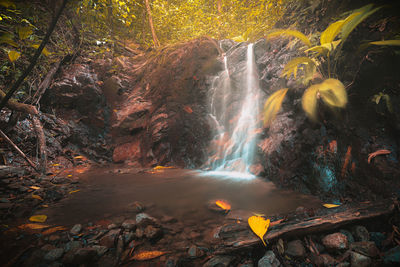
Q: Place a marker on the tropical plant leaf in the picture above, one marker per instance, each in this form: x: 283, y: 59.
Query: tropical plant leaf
x: 13, y: 55
x: 272, y: 105
x: 331, y: 32
x: 387, y: 42
x: 24, y: 32
x: 354, y: 19
x: 147, y: 255
x: 38, y: 218
x: 309, y: 72
x: 333, y: 93
x: 259, y: 226
x: 292, y: 33
x: 324, y: 49
x: 291, y: 67
x: 309, y: 101
x: 8, y: 39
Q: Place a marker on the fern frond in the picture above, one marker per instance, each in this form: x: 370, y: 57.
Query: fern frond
x: 291, y: 67
x: 273, y: 105
x: 293, y: 33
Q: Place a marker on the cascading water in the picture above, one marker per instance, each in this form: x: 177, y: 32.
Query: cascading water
x: 235, y: 112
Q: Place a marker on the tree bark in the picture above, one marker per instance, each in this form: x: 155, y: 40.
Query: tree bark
x: 34, y: 59
x: 41, y: 141
x: 19, y: 151
x: 14, y: 105
x: 153, y: 32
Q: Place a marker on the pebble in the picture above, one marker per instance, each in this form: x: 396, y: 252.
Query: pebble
x: 195, y: 252
x: 109, y: 239
x: 139, y: 233
x: 336, y: 241
x: 269, y: 260
x: 144, y: 218
x: 348, y: 234
x: 101, y: 250
x: 219, y: 261
x: 324, y: 260
x: 295, y: 248
x: 112, y: 226
x: 127, y: 236
x: 73, y: 245
x: 361, y: 233
x: 152, y: 233
x: 129, y: 224
x: 76, y: 229
x: 54, y: 254
x: 359, y: 260
x: 367, y: 248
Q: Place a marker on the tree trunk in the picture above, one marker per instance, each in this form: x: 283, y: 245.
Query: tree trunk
x: 41, y: 141
x: 153, y: 32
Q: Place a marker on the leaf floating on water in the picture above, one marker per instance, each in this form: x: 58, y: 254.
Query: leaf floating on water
x: 330, y: 206
x: 38, y: 218
x: 259, y: 226
x: 147, y: 255
x: 53, y: 230
x: 33, y: 226
x: 223, y: 205
x: 74, y: 191
x: 37, y: 197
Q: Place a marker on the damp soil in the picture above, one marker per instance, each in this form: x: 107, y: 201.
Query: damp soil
x: 182, y: 194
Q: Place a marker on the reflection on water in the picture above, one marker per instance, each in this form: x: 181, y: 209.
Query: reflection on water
x: 179, y: 193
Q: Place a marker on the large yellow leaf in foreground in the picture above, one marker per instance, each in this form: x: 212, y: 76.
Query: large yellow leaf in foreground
x: 259, y: 226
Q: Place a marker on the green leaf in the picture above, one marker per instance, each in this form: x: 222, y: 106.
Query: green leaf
x: 358, y: 16
x: 273, y: 105
x: 309, y: 101
x: 333, y: 93
x: 387, y: 42
x: 331, y: 32
x: 24, y: 32
x: 291, y: 66
x: 293, y: 33
x: 13, y: 55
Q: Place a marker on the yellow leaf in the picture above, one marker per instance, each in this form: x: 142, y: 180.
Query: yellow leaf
x: 387, y: 42
x: 333, y: 93
x: 329, y: 206
x: 324, y: 48
x: 33, y: 226
x: 24, y: 32
x: 7, y: 4
x: 293, y: 33
x: 147, y: 255
x: 55, y: 165
x: 44, y: 51
x: 35, y: 187
x: 8, y: 39
x: 309, y: 101
x: 74, y: 191
x: 272, y: 105
x: 291, y: 66
x: 79, y: 157
x: 36, y: 197
x: 162, y: 167
x: 223, y: 205
x: 13, y: 55
x: 38, y: 218
x: 331, y: 32
x: 53, y: 230
x: 259, y: 226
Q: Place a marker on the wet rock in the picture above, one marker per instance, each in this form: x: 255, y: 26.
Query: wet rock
x: 120, y: 247
x: 152, y: 232
x: 257, y: 169
x: 76, y: 229
x: 168, y: 219
x: 80, y: 256
x: 361, y: 233
x: 367, y: 248
x: 110, y: 238
x: 60, y: 180
x: 127, y: 236
x: 139, y: 233
x: 54, y: 238
x: 269, y: 260
x: 246, y: 264
x: 226, y: 44
x: 129, y: 224
x: 143, y: 219
x: 101, y: 250
x: 295, y: 248
x: 336, y: 241
x: 54, y: 254
x: 359, y: 260
x: 392, y: 256
x: 195, y: 252
x: 219, y: 261
x: 377, y: 238
x: 323, y: 260
x: 349, y: 236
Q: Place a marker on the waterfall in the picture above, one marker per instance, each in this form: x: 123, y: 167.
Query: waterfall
x: 235, y: 112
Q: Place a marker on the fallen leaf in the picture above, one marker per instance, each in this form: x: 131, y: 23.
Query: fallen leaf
x: 37, y: 197
x: 74, y: 191
x: 147, y: 255
x: 223, y: 205
x: 79, y: 157
x: 33, y: 226
x: 330, y: 206
x: 188, y: 109
x: 45, y: 206
x: 38, y: 218
x: 35, y: 187
x: 55, y: 165
x: 377, y: 153
x: 259, y: 226
x: 69, y: 175
x: 53, y: 230
x: 162, y: 167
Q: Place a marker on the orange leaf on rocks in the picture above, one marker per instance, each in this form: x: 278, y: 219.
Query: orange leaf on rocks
x: 376, y: 153
x: 53, y: 230
x: 35, y: 187
x: 74, y: 191
x: 223, y: 205
x: 38, y: 218
x: 259, y: 226
x: 37, y: 197
x: 33, y: 226
x: 330, y: 206
x: 147, y: 255
x: 188, y: 109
